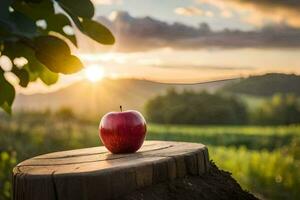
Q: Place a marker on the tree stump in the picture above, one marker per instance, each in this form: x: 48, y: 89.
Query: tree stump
x: 96, y: 174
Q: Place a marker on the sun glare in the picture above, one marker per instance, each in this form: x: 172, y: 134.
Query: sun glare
x: 94, y: 73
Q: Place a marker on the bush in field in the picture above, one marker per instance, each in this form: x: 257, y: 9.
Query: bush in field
x: 195, y: 108
x: 281, y: 109
x: 65, y: 113
x: 7, y: 162
x: 294, y: 149
x: 274, y: 175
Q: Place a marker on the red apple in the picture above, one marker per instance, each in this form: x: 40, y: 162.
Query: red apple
x: 123, y: 132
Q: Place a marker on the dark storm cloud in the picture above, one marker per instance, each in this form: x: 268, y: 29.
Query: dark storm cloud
x: 137, y: 34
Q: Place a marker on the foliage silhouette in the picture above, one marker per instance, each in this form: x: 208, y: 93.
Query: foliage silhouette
x: 35, y: 31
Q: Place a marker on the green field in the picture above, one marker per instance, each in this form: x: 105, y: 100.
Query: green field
x: 264, y: 160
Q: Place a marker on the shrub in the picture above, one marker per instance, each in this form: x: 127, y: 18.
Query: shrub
x: 195, y: 108
x: 281, y: 109
x: 7, y: 162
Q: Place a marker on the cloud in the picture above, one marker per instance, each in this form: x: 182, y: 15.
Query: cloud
x: 271, y: 4
x: 226, y: 14
x: 259, y: 12
x: 146, y: 33
x: 192, y: 11
x: 205, y: 67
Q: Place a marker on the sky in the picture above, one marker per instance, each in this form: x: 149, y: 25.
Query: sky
x: 190, y: 41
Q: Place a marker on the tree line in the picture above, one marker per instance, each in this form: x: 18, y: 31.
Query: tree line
x: 190, y: 107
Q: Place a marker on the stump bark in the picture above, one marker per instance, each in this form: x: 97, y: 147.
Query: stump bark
x: 96, y: 174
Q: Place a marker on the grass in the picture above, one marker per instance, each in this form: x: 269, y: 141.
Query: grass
x: 265, y: 160
x: 272, y: 175
x: 251, y: 137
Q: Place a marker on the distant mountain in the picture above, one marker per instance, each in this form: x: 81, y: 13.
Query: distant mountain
x: 265, y: 85
x: 95, y: 99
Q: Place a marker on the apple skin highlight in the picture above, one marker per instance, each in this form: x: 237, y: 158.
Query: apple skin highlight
x: 123, y: 132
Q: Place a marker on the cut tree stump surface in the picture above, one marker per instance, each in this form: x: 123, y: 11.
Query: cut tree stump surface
x: 96, y: 174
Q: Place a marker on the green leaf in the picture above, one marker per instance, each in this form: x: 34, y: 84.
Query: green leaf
x: 45, y: 11
x: 4, y: 5
x: 75, y: 19
x: 80, y: 8
x: 7, y: 93
x: 51, y: 45
x: 34, y: 68
x: 48, y: 77
x: 34, y: 1
x: 33, y: 74
x: 6, y: 107
x: 14, y: 50
x: 35, y: 11
x: 57, y: 22
x: 17, y: 24
x: 91, y: 28
x: 17, y: 49
x: 97, y: 31
x: 28, y: 72
x: 5, y: 22
x: 24, y: 25
x: 55, y: 54
x: 5, y: 32
x: 69, y: 65
x: 22, y: 74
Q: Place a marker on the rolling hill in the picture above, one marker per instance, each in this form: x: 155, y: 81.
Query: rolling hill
x: 265, y: 85
x: 94, y: 99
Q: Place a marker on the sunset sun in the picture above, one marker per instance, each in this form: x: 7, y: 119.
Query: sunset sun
x: 93, y: 73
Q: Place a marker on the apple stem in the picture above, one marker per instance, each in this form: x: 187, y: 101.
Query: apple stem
x: 121, y: 108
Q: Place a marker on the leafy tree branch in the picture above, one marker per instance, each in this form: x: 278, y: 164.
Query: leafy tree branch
x: 26, y: 31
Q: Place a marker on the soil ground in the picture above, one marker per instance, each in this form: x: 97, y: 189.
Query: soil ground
x: 216, y: 184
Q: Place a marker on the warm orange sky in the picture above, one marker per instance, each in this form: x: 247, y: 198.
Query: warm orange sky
x: 191, y: 40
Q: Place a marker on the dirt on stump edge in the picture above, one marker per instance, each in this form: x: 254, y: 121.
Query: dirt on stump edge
x: 216, y: 184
